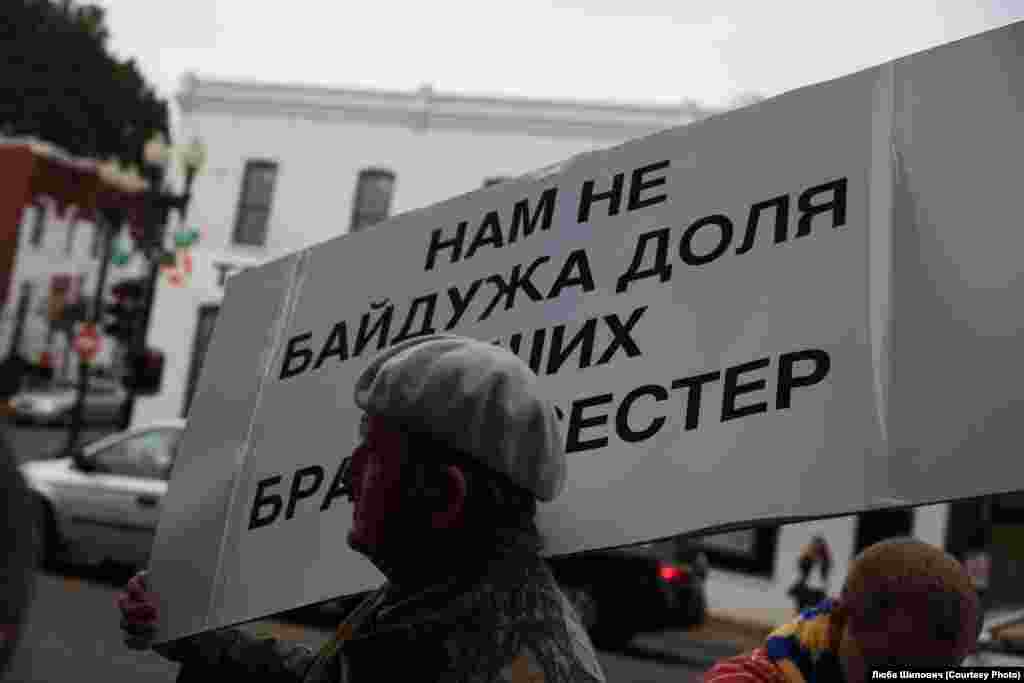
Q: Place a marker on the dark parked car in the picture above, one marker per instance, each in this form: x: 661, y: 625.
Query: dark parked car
x: 617, y: 593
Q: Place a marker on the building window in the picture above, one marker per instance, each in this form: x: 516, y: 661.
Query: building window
x: 254, y: 204
x: 69, y: 243
x: 878, y: 525
x: 373, y: 198
x: 38, y: 225
x: 207, y: 318
x: 749, y: 551
x: 97, y: 239
x: 20, y: 316
x: 494, y: 180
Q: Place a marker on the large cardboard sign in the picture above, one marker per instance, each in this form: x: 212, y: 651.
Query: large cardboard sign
x: 805, y: 308
x: 181, y: 317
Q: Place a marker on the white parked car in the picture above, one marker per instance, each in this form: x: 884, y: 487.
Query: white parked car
x: 103, y: 502
x: 53, y: 404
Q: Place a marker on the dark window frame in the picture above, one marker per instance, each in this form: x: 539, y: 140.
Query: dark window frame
x: 362, y: 219
x: 760, y: 562
x: 195, y: 364
x: 36, y: 236
x: 69, y: 244
x: 246, y: 206
x: 877, y: 525
x: 97, y: 240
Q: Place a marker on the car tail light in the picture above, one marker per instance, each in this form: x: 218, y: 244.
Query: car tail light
x: 671, y: 573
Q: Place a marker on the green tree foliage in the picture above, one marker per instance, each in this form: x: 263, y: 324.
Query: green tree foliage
x: 60, y: 83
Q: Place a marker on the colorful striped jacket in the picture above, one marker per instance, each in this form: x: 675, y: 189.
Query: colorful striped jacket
x: 797, y: 652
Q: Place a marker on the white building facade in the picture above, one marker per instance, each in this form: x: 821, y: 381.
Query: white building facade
x: 289, y: 167
x: 58, y: 259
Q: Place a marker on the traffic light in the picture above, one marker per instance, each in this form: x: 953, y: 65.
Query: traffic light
x: 126, y: 311
x: 133, y: 289
x: 124, y: 320
x: 145, y: 372
x: 143, y: 235
x: 72, y: 314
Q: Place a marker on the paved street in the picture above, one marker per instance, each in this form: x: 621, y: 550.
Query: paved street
x: 72, y: 634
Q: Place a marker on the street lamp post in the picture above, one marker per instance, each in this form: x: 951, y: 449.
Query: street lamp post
x: 108, y: 222
x: 159, y: 203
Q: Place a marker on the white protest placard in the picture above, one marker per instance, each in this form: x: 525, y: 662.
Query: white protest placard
x: 805, y: 308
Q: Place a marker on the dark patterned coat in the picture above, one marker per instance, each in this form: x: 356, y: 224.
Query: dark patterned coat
x: 507, y: 622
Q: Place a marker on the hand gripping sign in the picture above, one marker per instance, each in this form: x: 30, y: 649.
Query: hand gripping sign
x: 806, y: 308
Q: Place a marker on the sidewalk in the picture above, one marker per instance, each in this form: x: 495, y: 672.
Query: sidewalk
x: 744, y: 628
x: 1005, y: 624
x: 725, y: 633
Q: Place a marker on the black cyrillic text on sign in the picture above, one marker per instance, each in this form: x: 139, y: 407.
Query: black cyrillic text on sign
x: 489, y: 232
x: 742, y: 391
x: 708, y: 239
x: 384, y: 325
x: 268, y: 502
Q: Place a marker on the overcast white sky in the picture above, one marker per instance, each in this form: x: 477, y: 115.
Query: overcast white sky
x: 633, y: 51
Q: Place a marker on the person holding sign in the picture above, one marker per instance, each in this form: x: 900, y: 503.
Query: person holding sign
x: 455, y: 448
x: 905, y: 604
